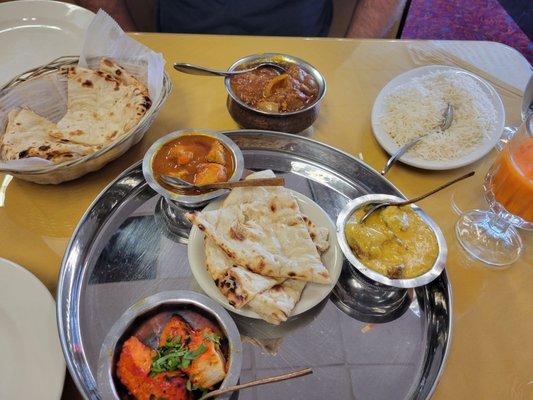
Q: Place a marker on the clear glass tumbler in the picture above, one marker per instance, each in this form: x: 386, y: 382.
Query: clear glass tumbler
x: 491, y: 235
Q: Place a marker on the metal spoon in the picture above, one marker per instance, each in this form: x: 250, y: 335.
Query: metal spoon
x: 199, y: 70
x: 413, y: 200
x: 180, y: 184
x: 258, y: 382
x: 447, y: 119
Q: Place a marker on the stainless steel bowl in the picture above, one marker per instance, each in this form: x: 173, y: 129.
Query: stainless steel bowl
x: 292, y: 122
x: 175, y: 298
x: 198, y: 200
x: 423, y: 279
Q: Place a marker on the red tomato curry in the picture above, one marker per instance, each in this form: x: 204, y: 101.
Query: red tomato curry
x: 188, y: 358
x: 198, y: 159
x: 267, y: 90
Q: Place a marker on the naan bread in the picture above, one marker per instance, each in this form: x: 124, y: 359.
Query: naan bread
x: 26, y: 135
x: 236, y: 283
x: 276, y: 304
x: 319, y: 235
x: 101, y: 106
x: 120, y: 74
x: 267, y: 238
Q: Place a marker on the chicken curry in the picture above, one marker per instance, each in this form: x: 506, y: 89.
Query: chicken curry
x: 393, y: 241
x: 186, y: 363
x: 198, y: 159
x: 267, y: 90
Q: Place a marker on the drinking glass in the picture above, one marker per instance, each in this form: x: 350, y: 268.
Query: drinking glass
x: 491, y: 235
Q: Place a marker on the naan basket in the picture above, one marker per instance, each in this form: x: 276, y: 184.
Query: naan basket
x: 70, y: 170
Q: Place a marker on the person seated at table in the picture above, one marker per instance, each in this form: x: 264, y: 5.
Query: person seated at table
x: 369, y: 18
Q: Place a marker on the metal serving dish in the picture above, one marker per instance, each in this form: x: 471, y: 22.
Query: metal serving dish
x: 423, y: 279
x: 166, y: 302
x: 121, y: 253
x: 183, y: 199
x: 253, y: 118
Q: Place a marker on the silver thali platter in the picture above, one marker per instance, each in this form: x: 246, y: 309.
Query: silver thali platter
x: 122, y: 251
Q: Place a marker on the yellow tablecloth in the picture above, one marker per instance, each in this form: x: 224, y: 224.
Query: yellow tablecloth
x: 492, y: 352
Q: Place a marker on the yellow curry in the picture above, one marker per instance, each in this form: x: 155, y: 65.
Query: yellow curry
x: 394, y: 241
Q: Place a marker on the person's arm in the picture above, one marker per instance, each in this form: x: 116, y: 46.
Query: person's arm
x: 116, y: 8
x: 375, y: 18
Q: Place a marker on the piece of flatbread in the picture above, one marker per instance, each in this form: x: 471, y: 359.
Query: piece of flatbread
x: 112, y: 68
x: 26, y: 135
x: 270, y: 239
x: 319, y: 235
x: 272, y: 299
x: 101, y: 106
x: 276, y: 304
x: 238, y: 284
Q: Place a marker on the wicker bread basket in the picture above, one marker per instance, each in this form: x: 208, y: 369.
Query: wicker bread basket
x: 73, y: 169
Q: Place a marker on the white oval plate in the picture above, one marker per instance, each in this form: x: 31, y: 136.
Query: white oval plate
x: 31, y: 361
x: 481, y: 150
x: 34, y: 33
x: 312, y: 294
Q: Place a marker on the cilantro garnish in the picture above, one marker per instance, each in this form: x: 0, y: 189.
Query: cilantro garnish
x: 213, y: 337
x: 174, y: 355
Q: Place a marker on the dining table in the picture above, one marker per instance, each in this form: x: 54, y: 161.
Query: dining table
x: 491, y: 355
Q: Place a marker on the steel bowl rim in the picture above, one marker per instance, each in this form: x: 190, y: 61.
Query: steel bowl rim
x: 105, y: 381
x: 191, y: 200
x: 427, y: 277
x: 309, y: 68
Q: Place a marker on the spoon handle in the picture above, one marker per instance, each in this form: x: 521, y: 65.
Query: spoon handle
x: 258, y: 382
x: 377, y: 206
x: 437, y: 189
x: 198, y: 70
x: 245, y: 183
x: 400, y: 152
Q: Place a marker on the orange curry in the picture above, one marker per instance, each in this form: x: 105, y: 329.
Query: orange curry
x: 267, y: 90
x: 196, y: 158
x: 190, y: 359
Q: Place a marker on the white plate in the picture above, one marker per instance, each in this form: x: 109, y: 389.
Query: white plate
x: 31, y: 360
x: 481, y: 150
x: 34, y: 33
x: 312, y: 294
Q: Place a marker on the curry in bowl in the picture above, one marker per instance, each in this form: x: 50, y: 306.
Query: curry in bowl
x: 174, y: 355
x: 393, y: 241
x: 265, y: 89
x: 196, y: 158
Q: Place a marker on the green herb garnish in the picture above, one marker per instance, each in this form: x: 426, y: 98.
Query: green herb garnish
x: 213, y: 337
x: 173, y: 355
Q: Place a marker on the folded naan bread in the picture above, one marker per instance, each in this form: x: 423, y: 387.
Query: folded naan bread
x: 276, y: 304
x: 273, y: 299
x: 275, y: 244
x: 319, y: 235
x: 26, y: 135
x: 102, y: 106
x: 236, y: 283
x: 269, y: 238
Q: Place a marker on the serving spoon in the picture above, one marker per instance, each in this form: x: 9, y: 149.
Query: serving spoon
x: 447, y: 119
x: 258, y: 382
x: 180, y: 184
x: 204, y: 71
x: 377, y: 206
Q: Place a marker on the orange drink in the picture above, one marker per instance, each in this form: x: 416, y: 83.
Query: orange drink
x: 512, y: 181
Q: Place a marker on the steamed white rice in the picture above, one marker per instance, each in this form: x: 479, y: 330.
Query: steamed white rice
x: 416, y: 108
